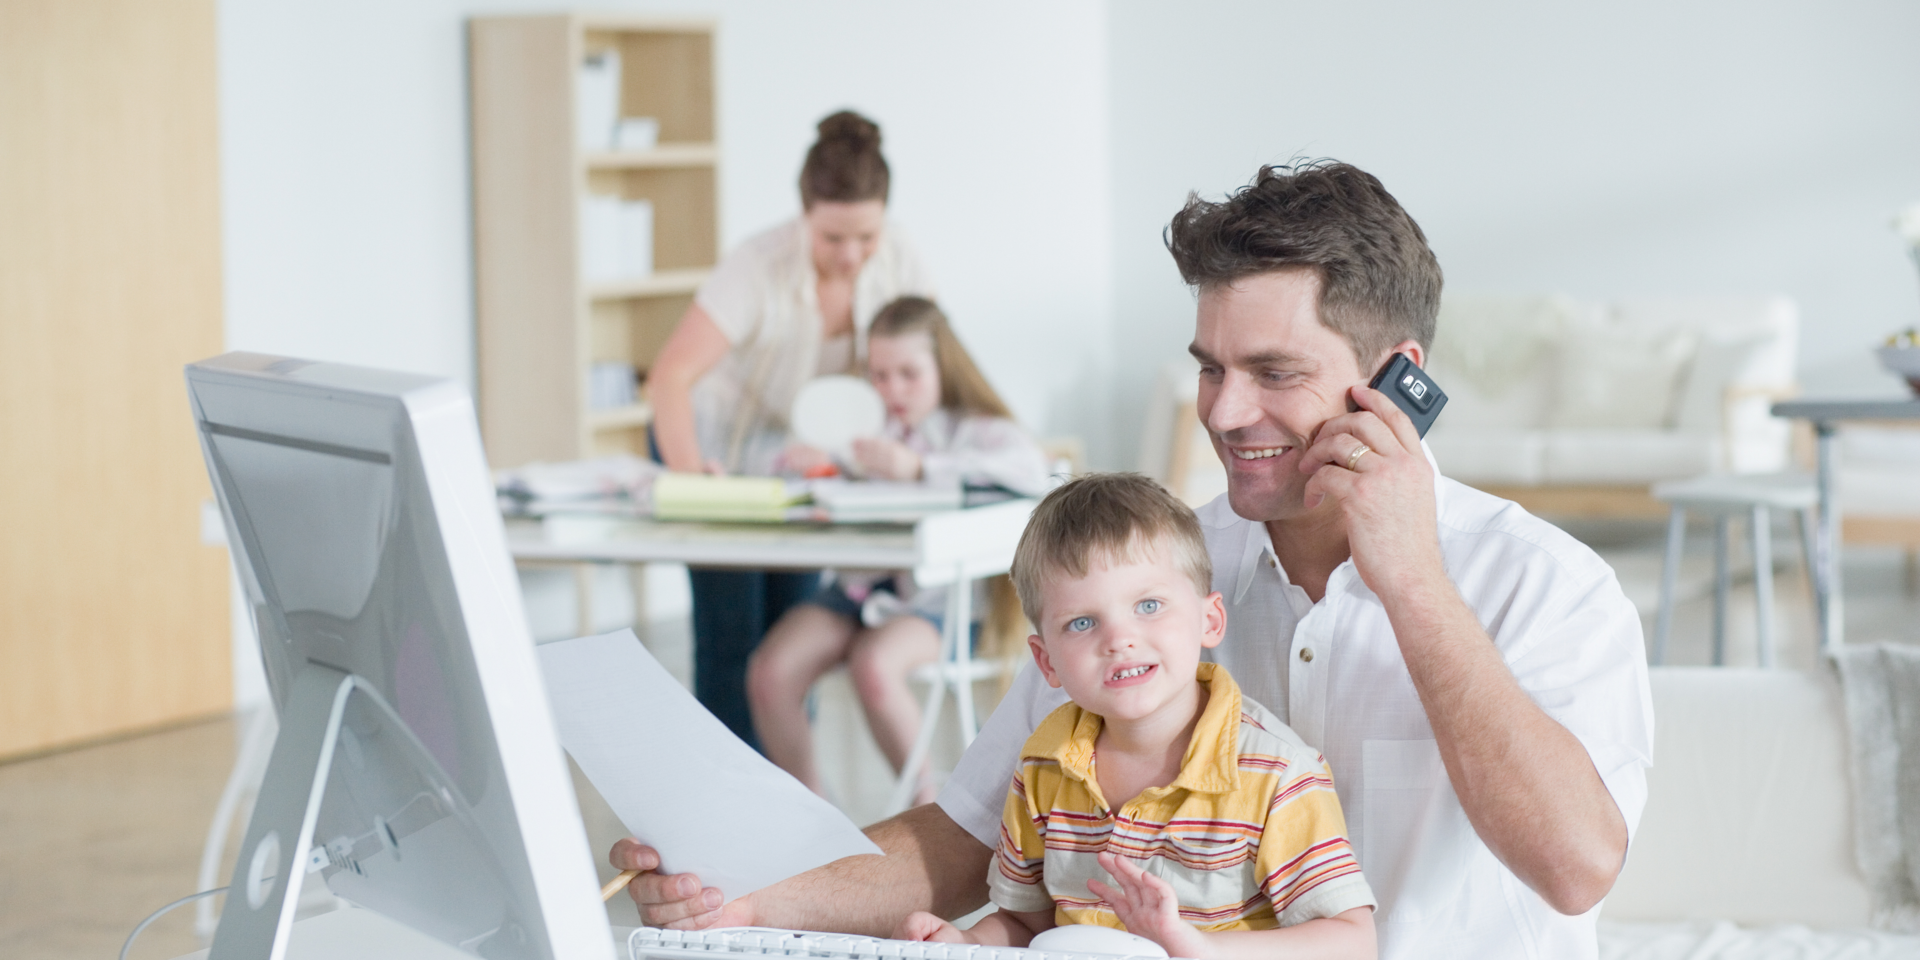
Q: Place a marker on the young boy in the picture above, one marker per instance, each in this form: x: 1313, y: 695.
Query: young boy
x: 1159, y: 800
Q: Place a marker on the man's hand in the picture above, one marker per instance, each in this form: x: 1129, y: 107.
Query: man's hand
x: 1371, y: 465
x: 1147, y: 906
x: 922, y: 925
x: 675, y: 900
x: 884, y: 459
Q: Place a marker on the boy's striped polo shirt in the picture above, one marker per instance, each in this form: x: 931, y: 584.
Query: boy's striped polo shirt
x: 1250, y: 835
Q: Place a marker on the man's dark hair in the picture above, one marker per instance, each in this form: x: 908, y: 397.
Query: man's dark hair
x: 1379, y: 282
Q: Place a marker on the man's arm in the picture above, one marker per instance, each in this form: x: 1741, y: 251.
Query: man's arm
x: 1527, y: 784
x: 931, y: 864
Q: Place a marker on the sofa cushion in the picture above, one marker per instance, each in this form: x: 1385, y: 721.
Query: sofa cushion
x: 1724, y: 319
x: 1749, y: 815
x: 1493, y: 346
x: 1614, y: 375
x: 1625, y: 456
x: 1488, y: 456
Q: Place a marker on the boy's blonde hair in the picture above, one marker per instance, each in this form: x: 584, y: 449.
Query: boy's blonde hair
x: 1108, y: 516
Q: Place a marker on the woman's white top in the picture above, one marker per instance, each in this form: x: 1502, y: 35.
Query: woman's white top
x: 762, y: 297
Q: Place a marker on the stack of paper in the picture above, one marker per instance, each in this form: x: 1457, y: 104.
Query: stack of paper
x: 597, y: 100
x: 616, y: 238
x: 696, y: 496
x: 875, y: 500
x: 612, y: 384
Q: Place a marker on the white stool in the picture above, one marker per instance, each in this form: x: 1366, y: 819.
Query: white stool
x: 1722, y: 496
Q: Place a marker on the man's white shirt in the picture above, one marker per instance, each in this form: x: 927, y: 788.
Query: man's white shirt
x: 1334, y: 672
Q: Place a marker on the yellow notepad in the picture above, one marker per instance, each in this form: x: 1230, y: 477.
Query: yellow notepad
x: 697, y: 496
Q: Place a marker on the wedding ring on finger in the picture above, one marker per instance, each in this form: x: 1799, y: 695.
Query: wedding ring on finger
x: 1353, y: 459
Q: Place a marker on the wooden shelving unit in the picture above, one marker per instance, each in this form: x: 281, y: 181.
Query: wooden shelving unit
x: 541, y: 325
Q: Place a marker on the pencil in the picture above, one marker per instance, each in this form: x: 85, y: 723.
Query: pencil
x: 617, y: 884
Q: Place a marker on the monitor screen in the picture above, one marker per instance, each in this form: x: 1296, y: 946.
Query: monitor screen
x: 371, y: 554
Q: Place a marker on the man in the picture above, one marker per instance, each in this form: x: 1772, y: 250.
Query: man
x: 1473, y: 676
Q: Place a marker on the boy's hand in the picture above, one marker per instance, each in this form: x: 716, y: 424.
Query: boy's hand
x: 1147, y: 906
x: 921, y: 925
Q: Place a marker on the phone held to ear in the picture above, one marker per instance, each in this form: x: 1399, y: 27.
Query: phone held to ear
x: 1411, y: 389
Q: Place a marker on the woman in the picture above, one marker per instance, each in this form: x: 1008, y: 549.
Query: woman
x: 788, y: 305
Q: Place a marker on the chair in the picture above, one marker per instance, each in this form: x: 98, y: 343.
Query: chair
x: 1723, y: 496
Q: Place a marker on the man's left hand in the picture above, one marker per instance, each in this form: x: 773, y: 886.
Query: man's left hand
x: 1371, y: 465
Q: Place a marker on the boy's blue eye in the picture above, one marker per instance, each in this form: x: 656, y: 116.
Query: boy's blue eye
x: 1078, y: 624
x: 1148, y: 606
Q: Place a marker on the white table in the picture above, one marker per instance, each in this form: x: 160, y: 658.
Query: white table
x: 1827, y: 415
x: 951, y: 548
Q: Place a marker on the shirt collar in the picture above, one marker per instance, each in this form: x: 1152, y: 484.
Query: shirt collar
x: 1211, y: 763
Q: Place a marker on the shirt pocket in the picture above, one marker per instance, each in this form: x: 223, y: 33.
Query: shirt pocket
x: 1419, y: 846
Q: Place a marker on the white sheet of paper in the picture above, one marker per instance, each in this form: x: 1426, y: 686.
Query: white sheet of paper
x: 678, y: 778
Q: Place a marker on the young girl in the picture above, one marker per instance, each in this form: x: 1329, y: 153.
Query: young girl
x: 944, y: 425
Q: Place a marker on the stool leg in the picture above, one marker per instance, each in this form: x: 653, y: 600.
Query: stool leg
x: 1762, y: 536
x: 1807, y: 535
x: 1669, y: 575
x: 1722, y: 585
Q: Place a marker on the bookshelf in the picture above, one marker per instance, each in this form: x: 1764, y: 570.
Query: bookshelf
x: 543, y: 321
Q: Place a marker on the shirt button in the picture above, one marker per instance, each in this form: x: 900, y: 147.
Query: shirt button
x: 1306, y: 654
x: 1271, y: 562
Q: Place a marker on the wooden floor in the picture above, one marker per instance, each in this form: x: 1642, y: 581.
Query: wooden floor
x: 94, y: 839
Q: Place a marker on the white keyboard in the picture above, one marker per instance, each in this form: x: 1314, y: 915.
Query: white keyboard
x: 650, y: 943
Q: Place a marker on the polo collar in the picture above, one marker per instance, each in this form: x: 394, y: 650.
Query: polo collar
x: 1211, y: 763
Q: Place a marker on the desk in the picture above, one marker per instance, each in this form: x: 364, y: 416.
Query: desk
x: 1826, y: 416
x: 951, y: 548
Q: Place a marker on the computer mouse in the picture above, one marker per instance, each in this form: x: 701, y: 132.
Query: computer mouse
x: 1087, y: 938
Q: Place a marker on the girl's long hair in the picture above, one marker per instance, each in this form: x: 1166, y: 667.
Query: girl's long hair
x: 962, y: 386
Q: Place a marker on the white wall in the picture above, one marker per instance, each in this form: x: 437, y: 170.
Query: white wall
x: 345, y: 184
x: 346, y: 189
x: 1623, y: 149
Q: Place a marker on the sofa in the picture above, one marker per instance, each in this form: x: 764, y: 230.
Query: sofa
x: 1576, y: 407
x: 1746, y: 847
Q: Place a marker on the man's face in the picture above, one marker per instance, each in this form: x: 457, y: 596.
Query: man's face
x: 1270, y: 374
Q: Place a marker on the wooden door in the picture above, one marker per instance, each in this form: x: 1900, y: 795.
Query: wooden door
x: 113, y: 615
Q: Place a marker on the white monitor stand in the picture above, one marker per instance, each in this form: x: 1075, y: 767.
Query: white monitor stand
x: 417, y: 769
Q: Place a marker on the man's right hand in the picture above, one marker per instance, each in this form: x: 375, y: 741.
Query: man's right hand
x: 675, y: 900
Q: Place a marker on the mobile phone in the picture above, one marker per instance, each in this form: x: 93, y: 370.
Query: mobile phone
x: 1412, y: 390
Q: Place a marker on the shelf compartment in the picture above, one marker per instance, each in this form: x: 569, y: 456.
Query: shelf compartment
x: 665, y: 73
x: 684, y: 227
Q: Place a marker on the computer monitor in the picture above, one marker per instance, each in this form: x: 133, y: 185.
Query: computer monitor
x: 417, y: 768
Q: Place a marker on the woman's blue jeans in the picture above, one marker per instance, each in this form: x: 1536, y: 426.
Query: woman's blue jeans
x: 732, y: 610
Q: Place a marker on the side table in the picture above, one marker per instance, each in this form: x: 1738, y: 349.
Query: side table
x: 1826, y: 417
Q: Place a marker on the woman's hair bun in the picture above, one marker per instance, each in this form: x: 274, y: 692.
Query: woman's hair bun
x: 851, y: 128
x: 845, y: 164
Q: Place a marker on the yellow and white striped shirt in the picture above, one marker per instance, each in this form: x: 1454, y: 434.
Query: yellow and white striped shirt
x: 1250, y: 835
